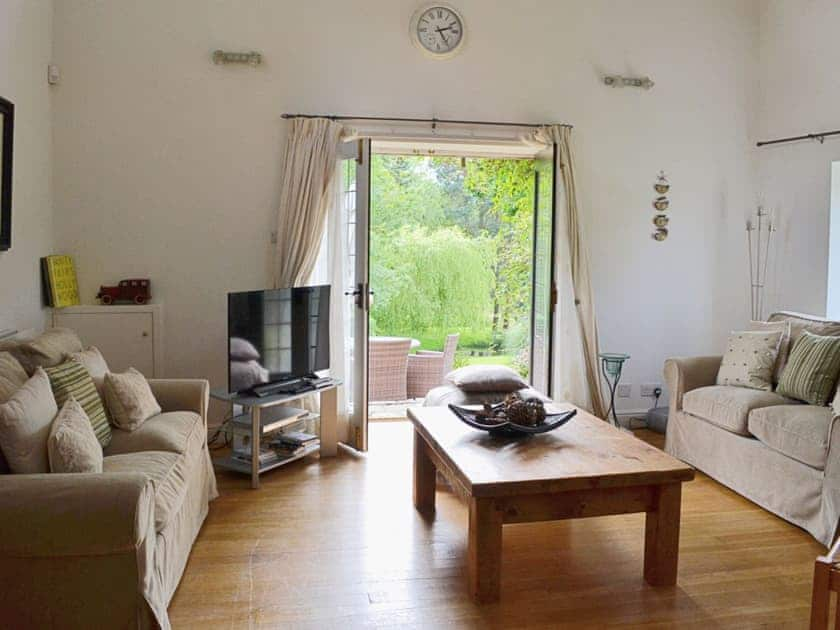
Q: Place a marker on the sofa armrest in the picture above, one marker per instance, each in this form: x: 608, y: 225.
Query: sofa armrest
x: 682, y: 374
x: 50, y: 515
x: 182, y: 394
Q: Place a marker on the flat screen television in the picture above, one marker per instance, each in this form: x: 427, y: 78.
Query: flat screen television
x: 277, y: 335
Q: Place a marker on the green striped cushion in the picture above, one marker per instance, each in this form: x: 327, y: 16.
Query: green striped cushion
x: 72, y: 379
x: 812, y: 369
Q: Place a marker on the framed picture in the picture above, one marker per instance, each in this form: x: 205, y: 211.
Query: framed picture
x: 7, y: 126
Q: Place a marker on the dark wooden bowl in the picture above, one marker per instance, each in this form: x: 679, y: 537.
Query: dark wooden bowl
x: 508, y: 428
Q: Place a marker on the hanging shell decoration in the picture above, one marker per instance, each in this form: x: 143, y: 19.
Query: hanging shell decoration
x: 661, y: 204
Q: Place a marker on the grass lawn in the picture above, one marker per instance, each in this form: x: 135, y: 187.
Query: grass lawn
x: 496, y: 359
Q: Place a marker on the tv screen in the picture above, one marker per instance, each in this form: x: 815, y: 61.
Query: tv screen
x: 277, y: 335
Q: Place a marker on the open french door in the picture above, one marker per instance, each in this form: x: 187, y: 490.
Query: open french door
x: 544, y: 292
x: 356, y: 199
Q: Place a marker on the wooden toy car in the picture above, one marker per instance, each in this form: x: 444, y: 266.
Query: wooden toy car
x: 134, y: 290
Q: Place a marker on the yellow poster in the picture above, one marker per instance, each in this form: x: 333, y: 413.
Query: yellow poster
x: 62, y: 278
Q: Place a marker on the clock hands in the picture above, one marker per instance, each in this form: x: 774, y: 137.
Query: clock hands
x: 442, y: 36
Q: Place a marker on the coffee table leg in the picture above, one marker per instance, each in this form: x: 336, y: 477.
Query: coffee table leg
x: 662, y: 536
x: 484, y: 554
x: 424, y: 477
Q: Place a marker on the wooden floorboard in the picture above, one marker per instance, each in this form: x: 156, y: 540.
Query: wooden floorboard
x: 336, y: 543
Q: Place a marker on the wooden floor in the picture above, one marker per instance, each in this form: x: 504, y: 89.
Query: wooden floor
x: 337, y: 544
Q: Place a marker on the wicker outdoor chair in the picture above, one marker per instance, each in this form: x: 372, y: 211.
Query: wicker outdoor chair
x: 427, y: 368
x: 387, y: 361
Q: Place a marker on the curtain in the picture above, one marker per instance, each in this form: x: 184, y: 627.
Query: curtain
x: 332, y: 268
x: 309, y: 167
x: 576, y: 372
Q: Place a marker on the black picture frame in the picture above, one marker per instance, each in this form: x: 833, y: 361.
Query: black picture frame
x: 7, y: 128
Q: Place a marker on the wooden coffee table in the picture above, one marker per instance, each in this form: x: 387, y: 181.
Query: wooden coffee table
x: 585, y: 468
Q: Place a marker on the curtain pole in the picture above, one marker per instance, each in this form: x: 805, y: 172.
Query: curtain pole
x: 431, y: 121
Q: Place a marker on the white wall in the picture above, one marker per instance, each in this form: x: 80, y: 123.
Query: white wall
x: 167, y: 165
x: 799, y: 94
x: 25, y: 52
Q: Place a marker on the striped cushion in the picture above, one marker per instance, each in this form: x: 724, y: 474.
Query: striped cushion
x: 812, y: 369
x: 72, y: 379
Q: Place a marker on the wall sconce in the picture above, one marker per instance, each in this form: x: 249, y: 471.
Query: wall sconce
x: 618, y: 81
x: 252, y: 58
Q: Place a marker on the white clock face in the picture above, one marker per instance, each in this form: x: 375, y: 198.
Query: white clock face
x: 439, y: 30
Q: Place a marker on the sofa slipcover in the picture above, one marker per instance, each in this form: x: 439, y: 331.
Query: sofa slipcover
x: 798, y: 431
x: 729, y: 407
x: 170, y: 431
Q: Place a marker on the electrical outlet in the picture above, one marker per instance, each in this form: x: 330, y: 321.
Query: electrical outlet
x: 648, y: 389
x: 624, y: 390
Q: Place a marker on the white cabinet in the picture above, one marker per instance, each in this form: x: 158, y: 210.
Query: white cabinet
x: 127, y: 336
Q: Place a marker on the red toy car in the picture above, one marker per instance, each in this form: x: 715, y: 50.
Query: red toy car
x: 134, y: 290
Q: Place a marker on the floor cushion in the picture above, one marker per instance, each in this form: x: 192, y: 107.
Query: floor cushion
x: 798, y: 431
x: 167, y: 473
x: 172, y: 431
x: 729, y: 407
x: 452, y: 395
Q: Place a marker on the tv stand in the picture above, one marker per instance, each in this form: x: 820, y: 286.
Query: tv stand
x: 293, y: 386
x: 328, y: 395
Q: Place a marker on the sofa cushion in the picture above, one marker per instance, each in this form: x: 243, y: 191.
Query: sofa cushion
x: 47, y: 349
x: 800, y: 323
x: 729, y: 407
x: 167, y: 474
x: 798, y: 431
x: 750, y: 359
x: 130, y: 399
x: 784, y: 344
x: 72, y: 446
x: 173, y: 431
x: 71, y: 379
x: 812, y: 368
x: 12, y: 376
x: 25, y: 421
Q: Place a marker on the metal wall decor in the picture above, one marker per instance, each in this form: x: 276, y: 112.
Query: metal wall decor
x: 661, y: 204
x: 759, y: 239
x: 223, y: 57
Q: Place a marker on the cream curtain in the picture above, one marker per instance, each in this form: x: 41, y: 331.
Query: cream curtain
x: 576, y: 371
x: 309, y: 168
x: 332, y: 268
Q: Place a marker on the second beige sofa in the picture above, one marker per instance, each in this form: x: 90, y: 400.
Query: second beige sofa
x: 782, y: 454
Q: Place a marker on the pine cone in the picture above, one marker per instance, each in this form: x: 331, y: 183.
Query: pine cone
x: 519, y: 413
x: 536, y: 409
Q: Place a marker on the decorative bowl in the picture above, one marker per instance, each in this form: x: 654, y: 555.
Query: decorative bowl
x: 508, y: 428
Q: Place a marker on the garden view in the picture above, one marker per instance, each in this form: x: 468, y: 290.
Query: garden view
x: 451, y: 251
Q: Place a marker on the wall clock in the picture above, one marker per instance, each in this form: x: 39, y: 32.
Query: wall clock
x: 438, y: 30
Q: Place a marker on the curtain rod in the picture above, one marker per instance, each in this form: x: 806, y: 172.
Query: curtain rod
x: 819, y: 137
x: 432, y: 121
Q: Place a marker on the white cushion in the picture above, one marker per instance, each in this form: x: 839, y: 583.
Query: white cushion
x: 130, y: 399
x: 798, y: 431
x: 72, y: 445
x: 729, y: 407
x: 12, y: 376
x: 25, y: 421
x: 750, y: 359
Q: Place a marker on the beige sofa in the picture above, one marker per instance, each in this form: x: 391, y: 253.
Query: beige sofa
x: 108, y: 550
x: 782, y: 454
